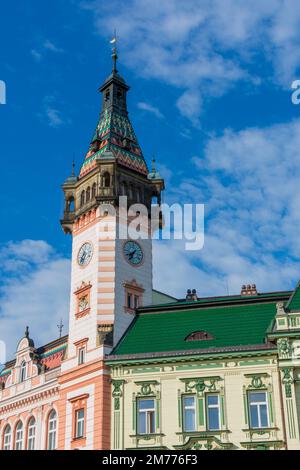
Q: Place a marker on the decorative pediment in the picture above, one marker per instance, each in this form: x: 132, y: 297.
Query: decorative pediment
x: 205, y: 442
x: 133, y: 285
x: 83, y: 287
x: 202, y: 384
x: 148, y: 387
x: 257, y: 381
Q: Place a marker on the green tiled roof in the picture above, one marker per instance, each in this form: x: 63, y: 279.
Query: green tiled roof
x: 294, y: 302
x: 236, y: 324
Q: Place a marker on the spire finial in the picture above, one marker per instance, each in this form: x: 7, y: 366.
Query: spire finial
x: 60, y: 327
x: 114, y: 52
x: 153, y: 164
x: 27, y: 332
x: 73, y: 168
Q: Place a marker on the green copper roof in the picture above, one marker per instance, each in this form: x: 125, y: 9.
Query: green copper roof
x: 294, y: 302
x: 237, y: 324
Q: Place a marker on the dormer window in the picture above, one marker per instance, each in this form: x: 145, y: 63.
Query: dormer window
x: 23, y: 372
x: 199, y: 336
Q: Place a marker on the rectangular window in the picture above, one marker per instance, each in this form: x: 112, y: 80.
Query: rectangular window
x: 79, y: 423
x: 258, y: 409
x: 213, y: 412
x: 129, y: 300
x: 146, y: 416
x: 189, y: 413
x: 136, y: 301
x: 81, y: 356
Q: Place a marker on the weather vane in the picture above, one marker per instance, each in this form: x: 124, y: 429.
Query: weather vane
x: 114, y: 51
x: 60, y: 327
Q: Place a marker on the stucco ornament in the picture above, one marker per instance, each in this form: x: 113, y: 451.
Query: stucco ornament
x: 284, y: 347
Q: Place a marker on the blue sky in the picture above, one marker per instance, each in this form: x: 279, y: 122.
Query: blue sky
x: 210, y: 97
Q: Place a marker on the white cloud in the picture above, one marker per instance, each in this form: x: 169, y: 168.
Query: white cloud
x: 52, y: 114
x: 190, y: 104
x: 52, y: 47
x: 150, y: 109
x: 249, y: 182
x: 36, y: 55
x: 207, y: 45
x: 36, y: 295
x: 54, y: 117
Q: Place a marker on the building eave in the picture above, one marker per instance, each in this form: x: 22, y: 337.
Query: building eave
x: 203, y: 354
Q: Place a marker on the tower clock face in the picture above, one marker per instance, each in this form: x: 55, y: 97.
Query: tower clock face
x: 85, y: 254
x: 133, y: 253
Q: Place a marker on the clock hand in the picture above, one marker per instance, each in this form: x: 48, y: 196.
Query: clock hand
x: 132, y: 254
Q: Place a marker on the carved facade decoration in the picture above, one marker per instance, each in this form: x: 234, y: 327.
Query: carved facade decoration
x: 200, y: 385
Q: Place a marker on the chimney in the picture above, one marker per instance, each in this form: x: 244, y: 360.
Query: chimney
x: 191, y: 295
x: 249, y: 289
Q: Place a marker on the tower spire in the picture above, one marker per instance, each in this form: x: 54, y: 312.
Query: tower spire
x: 114, y: 52
x: 153, y: 164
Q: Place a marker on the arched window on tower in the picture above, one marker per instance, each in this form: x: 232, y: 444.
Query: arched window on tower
x: 51, y: 430
x: 88, y: 194
x: 19, y: 436
x: 7, y: 438
x: 23, y: 371
x: 31, y: 430
x: 70, y: 204
x: 106, y: 180
x: 82, y: 198
x: 94, y: 189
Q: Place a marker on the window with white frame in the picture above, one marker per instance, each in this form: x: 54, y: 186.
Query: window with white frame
x: 79, y: 423
x: 31, y: 430
x: 19, y: 436
x: 7, y: 438
x: 23, y: 372
x: 213, y: 412
x: 81, y: 356
x: 189, y: 413
x: 52, y: 427
x: 146, y: 416
x: 258, y: 409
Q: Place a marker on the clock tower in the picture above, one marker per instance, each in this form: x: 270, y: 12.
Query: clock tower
x: 111, y: 271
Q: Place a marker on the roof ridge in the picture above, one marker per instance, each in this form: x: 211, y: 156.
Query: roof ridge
x: 219, y: 302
